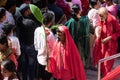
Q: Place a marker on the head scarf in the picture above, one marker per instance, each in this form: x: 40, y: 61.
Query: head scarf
x: 71, y: 59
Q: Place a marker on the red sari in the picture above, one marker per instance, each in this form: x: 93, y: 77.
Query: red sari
x: 65, y: 62
x: 113, y: 75
x: 109, y: 28
x: 85, y: 7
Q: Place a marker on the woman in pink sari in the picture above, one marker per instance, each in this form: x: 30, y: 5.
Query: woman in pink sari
x: 65, y: 62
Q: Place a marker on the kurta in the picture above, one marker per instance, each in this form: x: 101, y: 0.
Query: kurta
x: 108, y: 28
x: 80, y: 34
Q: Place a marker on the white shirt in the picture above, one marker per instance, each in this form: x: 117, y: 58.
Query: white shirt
x: 15, y: 44
x: 93, y: 17
x: 40, y: 44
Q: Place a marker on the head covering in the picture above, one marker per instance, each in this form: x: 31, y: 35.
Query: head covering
x: 70, y: 60
x: 24, y: 7
x: 3, y: 3
x: 36, y: 12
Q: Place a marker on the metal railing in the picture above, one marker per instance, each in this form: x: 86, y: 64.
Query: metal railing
x: 103, y: 60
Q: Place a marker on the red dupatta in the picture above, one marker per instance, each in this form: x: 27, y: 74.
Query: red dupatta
x: 70, y: 61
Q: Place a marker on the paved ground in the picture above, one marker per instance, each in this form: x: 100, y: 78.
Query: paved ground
x: 92, y: 75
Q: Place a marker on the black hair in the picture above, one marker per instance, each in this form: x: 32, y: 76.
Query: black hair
x: 7, y: 28
x: 9, y: 4
x: 39, y: 3
x: 75, y: 11
x: 58, y: 30
x: 23, y: 7
x: 2, y: 12
x: 93, y: 3
x: 69, y: 0
x: 3, y: 40
x: 9, y: 65
x: 48, y: 17
x: 51, y: 1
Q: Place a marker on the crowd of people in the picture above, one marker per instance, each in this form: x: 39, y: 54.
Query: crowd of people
x: 59, y: 39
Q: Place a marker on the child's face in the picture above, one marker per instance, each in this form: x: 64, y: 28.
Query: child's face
x: 5, y: 72
x: 3, y: 18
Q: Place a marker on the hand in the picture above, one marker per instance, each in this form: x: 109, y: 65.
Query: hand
x: 105, y: 40
x: 98, y: 31
x: 47, y: 32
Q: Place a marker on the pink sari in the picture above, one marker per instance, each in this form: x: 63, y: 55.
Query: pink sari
x: 65, y: 62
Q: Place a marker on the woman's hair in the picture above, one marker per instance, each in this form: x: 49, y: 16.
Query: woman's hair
x: 9, y: 65
x: 40, y: 3
x: 48, y: 17
x: 3, y: 39
x: 2, y: 12
x: 75, y: 11
x: 7, y: 28
x: 9, y: 4
x: 23, y: 7
x: 69, y: 0
x: 93, y: 3
x: 51, y: 1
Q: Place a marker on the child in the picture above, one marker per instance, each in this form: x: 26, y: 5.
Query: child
x: 8, y: 70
